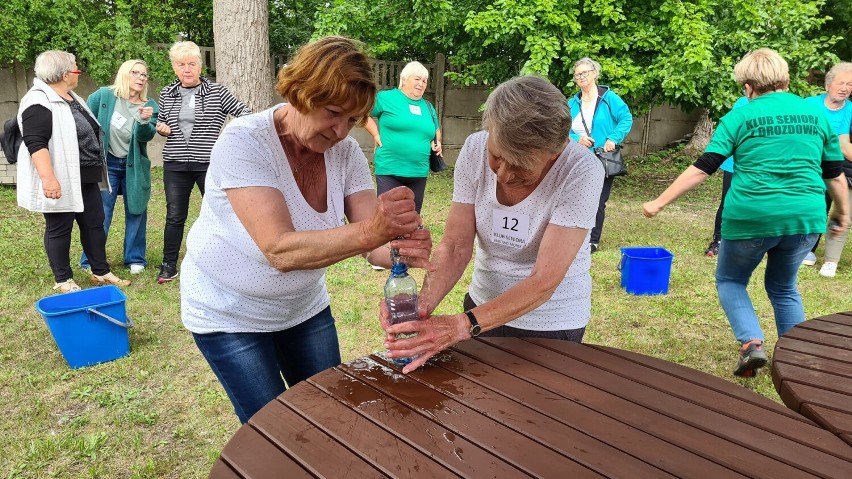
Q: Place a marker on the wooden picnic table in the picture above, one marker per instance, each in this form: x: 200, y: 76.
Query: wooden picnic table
x: 812, y: 371
x: 505, y: 408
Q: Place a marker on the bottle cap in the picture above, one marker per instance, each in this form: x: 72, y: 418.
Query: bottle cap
x: 399, y: 268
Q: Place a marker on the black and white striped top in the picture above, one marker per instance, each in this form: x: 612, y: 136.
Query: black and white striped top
x: 213, y: 104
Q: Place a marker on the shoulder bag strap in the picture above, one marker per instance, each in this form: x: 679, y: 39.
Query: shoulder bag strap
x: 582, y: 117
x: 433, y: 113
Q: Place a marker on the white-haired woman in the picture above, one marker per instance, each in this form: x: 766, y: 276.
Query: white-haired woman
x: 192, y: 112
x: 526, y: 197
x: 407, y: 131
x: 837, y: 107
x: 786, y: 155
x: 130, y: 116
x: 61, y: 169
x: 600, y: 119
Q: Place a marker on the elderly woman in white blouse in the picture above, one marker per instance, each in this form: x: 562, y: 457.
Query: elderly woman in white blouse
x: 526, y: 196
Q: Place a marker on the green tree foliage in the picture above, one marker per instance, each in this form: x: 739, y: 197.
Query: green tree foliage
x: 291, y: 24
x: 399, y: 30
x: 840, y: 24
x: 102, y: 34
x: 651, y: 51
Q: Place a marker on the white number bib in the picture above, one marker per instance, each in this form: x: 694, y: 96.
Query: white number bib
x: 118, y: 120
x: 415, y: 110
x: 509, y: 228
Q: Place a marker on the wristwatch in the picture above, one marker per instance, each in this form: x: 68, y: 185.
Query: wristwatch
x: 474, y: 324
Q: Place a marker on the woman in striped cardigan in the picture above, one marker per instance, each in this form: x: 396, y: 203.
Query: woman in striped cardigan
x: 192, y: 112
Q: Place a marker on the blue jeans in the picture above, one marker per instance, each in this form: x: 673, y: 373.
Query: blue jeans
x: 134, y: 225
x: 250, y: 365
x: 738, y: 260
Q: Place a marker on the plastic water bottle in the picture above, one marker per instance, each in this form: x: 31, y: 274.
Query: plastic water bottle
x: 401, y: 298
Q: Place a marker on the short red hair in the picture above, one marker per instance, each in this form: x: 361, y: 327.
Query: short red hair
x: 330, y: 71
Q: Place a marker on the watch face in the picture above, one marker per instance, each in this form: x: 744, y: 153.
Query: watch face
x: 475, y: 330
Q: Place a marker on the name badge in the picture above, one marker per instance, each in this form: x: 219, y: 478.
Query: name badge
x: 118, y: 120
x: 509, y: 228
x: 415, y: 110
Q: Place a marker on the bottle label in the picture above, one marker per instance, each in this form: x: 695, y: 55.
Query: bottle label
x: 402, y: 308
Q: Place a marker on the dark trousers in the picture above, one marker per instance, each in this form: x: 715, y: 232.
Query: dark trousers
x: 178, y: 186
x: 726, y: 185
x: 57, y: 235
x: 417, y: 185
x: 599, y: 219
x: 575, y: 335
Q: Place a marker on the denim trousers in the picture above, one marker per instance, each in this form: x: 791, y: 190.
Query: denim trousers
x: 250, y: 366
x: 737, y: 261
x: 178, y: 187
x: 134, y: 225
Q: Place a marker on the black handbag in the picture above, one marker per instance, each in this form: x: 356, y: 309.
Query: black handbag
x: 613, y: 161
x: 436, y: 161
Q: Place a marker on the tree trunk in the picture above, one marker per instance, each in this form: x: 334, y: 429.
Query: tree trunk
x: 701, y: 135
x: 243, y: 62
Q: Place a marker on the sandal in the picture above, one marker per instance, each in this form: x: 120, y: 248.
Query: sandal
x: 67, y: 286
x: 109, y: 278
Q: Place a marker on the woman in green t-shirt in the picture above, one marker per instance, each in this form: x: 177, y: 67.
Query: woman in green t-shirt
x: 786, y: 156
x: 406, y: 133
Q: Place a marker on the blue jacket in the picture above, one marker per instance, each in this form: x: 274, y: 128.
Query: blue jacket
x: 138, y: 175
x: 612, y: 119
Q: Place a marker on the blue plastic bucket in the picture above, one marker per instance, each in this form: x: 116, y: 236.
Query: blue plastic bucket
x: 645, y: 270
x: 89, y: 326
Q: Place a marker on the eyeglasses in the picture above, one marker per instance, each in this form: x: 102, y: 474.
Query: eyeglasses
x: 582, y: 75
x: 141, y: 75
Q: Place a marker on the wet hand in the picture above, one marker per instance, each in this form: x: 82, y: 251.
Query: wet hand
x: 415, y: 249
x: 433, y: 335
x: 395, y: 215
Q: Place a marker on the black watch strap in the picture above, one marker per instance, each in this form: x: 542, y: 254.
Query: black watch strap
x: 474, y: 324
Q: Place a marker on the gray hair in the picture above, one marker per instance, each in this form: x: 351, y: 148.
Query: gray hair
x: 841, y: 67
x: 52, y: 65
x: 184, y: 49
x: 412, y: 68
x: 588, y: 62
x: 524, y: 115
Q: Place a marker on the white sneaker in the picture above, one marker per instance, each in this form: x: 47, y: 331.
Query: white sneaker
x: 810, y: 259
x: 137, y: 268
x: 829, y: 269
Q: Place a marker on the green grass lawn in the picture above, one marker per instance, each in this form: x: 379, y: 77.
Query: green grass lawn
x: 161, y: 413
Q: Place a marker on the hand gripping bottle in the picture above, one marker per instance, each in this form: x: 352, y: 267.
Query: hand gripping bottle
x: 401, y: 298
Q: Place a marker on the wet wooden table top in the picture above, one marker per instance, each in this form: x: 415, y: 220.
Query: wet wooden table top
x: 812, y: 371
x: 505, y: 408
